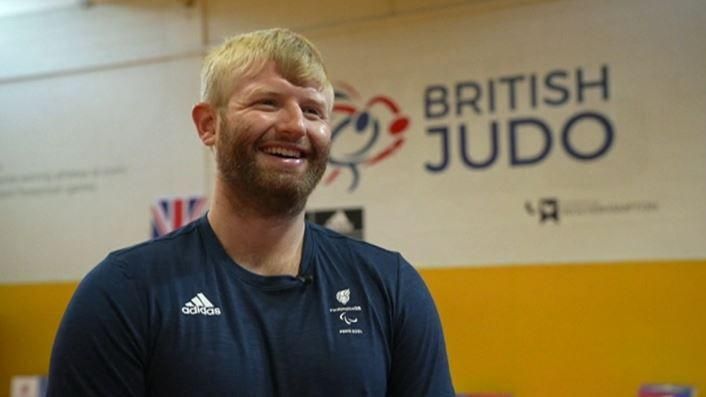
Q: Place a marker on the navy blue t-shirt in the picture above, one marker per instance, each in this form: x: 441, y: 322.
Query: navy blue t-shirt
x: 177, y: 317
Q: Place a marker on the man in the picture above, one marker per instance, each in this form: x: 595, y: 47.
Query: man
x: 250, y: 300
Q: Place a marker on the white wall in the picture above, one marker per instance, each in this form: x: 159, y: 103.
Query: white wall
x: 95, y: 124
x: 642, y: 200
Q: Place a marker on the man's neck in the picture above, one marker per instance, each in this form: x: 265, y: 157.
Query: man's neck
x: 266, y: 246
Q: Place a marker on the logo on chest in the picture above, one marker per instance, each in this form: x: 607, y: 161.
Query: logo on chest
x: 343, y: 296
x: 200, y: 305
x: 348, y: 315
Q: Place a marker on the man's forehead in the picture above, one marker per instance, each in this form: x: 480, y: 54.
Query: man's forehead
x: 267, y: 79
x: 269, y: 72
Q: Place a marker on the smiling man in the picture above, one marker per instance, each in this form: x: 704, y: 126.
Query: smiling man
x: 251, y: 300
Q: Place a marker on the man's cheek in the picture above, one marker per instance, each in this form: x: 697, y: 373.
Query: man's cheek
x: 323, y: 137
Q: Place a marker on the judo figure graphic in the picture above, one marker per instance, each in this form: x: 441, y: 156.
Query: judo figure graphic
x: 363, y: 133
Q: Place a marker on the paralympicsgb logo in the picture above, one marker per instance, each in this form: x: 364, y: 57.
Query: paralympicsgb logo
x: 363, y: 133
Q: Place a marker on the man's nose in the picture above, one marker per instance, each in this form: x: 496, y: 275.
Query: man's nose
x: 291, y: 121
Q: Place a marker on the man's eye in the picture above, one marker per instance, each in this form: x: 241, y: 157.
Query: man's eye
x: 266, y: 102
x: 312, y: 111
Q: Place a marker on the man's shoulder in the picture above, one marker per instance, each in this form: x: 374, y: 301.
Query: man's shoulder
x: 171, y: 248
x: 335, y: 243
x: 327, y: 237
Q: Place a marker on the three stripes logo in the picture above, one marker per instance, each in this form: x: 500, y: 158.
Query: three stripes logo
x: 199, y: 304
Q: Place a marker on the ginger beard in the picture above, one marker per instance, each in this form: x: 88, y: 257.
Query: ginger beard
x: 269, y: 192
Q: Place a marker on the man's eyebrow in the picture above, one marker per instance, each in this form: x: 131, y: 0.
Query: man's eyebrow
x: 317, y: 99
x: 314, y: 96
x: 263, y: 92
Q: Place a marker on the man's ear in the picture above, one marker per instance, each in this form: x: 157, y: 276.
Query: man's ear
x: 205, y: 119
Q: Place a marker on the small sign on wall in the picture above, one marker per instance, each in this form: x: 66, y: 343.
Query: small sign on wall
x: 28, y: 386
x: 347, y: 221
x: 656, y: 390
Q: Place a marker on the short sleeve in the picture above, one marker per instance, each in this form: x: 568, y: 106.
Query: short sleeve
x: 419, y: 361
x: 99, y: 348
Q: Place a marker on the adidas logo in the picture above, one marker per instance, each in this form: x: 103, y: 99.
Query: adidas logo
x: 199, y: 304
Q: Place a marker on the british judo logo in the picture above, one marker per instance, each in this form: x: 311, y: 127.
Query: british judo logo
x: 363, y: 133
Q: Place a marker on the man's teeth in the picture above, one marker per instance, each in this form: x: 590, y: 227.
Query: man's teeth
x: 278, y: 151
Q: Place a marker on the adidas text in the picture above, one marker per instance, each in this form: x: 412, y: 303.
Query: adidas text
x: 206, y: 311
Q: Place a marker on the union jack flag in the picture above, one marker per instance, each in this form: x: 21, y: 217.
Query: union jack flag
x: 171, y: 213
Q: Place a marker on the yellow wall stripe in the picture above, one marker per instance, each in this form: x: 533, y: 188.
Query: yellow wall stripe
x: 574, y: 330
x: 578, y: 330
x: 28, y: 322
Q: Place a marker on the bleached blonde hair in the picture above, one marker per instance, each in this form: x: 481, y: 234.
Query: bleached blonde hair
x: 241, y: 56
